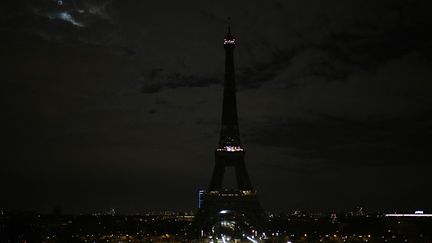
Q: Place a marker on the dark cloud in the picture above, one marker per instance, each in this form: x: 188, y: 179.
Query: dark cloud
x: 343, y: 142
x: 174, y: 81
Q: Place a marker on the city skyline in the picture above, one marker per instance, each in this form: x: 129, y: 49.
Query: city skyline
x: 114, y: 104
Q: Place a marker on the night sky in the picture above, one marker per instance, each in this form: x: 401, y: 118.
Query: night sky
x: 117, y: 104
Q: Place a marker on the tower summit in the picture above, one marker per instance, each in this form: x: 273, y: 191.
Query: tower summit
x: 238, y: 205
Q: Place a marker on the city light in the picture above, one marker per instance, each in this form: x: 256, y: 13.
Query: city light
x: 408, y: 215
x: 249, y: 238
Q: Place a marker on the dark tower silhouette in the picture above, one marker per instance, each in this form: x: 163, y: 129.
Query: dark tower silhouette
x: 229, y: 153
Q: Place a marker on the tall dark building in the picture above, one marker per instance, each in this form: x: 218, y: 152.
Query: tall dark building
x: 225, y: 209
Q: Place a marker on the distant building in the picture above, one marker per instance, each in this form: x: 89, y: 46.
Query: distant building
x: 200, y: 197
x: 415, y: 214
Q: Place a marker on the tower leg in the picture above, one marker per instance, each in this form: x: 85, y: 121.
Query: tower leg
x: 216, y: 181
x: 243, y: 180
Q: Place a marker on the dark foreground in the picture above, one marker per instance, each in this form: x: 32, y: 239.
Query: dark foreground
x: 173, y: 227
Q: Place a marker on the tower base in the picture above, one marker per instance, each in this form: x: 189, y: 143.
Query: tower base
x: 230, y: 212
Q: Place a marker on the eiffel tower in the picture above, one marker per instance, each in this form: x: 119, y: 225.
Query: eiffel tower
x: 240, y: 205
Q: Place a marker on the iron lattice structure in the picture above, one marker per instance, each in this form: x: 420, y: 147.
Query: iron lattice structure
x: 229, y: 153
